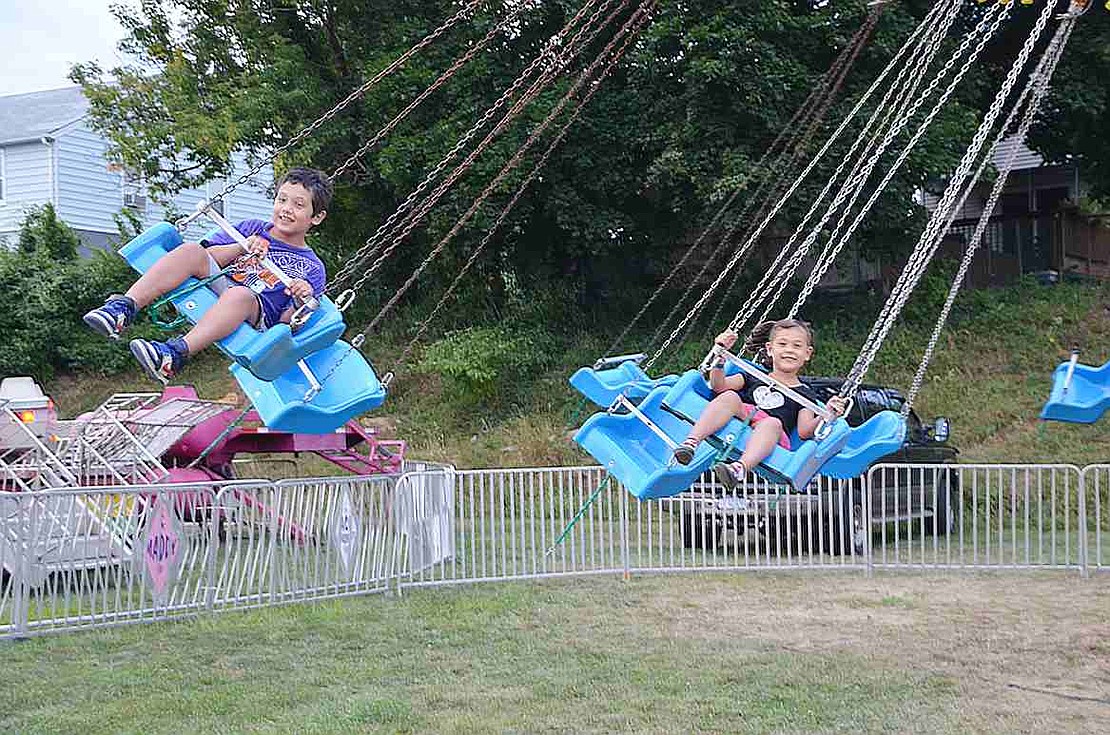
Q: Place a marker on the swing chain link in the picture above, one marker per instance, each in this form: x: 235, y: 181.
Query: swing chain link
x: 930, y: 239
x: 374, y: 243
x: 795, y: 185
x: 357, y: 93
x: 1038, y: 84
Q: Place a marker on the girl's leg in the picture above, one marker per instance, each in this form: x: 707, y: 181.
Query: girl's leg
x: 235, y: 306
x: 718, y: 413
x: 764, y: 438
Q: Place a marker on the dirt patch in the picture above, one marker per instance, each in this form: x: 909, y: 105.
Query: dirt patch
x: 1027, y: 653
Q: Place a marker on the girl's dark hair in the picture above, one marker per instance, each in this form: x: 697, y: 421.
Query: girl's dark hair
x: 317, y: 183
x: 765, y: 331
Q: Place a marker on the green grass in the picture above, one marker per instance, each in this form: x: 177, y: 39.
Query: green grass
x: 571, y: 657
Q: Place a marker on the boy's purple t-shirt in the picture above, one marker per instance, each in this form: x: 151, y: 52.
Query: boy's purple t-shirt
x: 296, y: 262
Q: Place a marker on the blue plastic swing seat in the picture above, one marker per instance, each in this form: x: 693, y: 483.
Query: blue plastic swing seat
x: 1083, y: 399
x: 349, y: 388
x: 641, y: 460
x: 878, y: 436
x: 627, y: 379
x: 270, y: 353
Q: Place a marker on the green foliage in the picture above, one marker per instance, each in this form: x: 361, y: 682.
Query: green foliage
x: 42, y: 232
x: 483, y: 363
x: 47, y: 291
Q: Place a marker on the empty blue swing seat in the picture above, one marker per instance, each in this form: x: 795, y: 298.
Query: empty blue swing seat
x: 628, y: 379
x: 351, y: 390
x: 1084, y: 399
x: 640, y: 460
x: 269, y: 354
x: 883, y: 433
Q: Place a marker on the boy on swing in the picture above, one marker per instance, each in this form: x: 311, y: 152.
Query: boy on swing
x: 772, y: 415
x: 247, y: 291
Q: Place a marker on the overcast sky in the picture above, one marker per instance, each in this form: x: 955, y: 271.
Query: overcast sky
x: 43, y: 38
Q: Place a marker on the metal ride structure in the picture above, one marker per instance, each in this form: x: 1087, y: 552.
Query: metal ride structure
x: 645, y: 418
x: 171, y: 442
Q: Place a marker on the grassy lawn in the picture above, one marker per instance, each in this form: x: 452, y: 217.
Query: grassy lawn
x: 697, y: 653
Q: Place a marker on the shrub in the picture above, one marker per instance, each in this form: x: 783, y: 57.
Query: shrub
x: 47, y: 290
x: 485, y: 363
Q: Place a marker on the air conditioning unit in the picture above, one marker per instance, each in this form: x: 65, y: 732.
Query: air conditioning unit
x: 134, y: 200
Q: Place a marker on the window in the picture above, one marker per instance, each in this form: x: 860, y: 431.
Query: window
x: 134, y: 191
x: 214, y: 187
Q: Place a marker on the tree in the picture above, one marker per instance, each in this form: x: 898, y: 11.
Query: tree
x: 677, y: 127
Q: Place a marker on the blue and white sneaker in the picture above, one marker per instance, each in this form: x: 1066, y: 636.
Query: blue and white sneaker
x: 161, y: 361
x: 115, y: 316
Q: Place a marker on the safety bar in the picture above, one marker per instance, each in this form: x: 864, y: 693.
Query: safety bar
x: 825, y: 414
x: 310, y: 303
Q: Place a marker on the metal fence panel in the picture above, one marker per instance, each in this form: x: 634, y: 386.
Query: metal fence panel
x: 977, y: 516
x: 1096, y: 484
x: 303, y: 540
x: 85, y: 557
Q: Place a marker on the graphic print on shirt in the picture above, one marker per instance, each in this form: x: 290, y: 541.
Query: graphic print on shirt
x: 250, y: 272
x: 767, y: 398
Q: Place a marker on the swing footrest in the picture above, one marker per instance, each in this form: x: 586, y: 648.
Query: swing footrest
x: 1081, y: 400
x: 349, y: 388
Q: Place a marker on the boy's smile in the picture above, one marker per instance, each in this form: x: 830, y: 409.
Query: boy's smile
x: 293, y: 215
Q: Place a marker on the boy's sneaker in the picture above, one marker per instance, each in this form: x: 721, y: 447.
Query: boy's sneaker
x: 115, y: 316
x: 684, y: 452
x: 161, y: 361
x: 730, y: 474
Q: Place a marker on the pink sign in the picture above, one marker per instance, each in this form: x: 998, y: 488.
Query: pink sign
x: 162, y: 549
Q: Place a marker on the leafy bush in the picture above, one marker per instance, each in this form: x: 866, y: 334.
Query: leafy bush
x: 47, y: 290
x: 480, y: 363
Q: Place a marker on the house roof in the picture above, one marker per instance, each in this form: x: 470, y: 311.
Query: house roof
x: 1024, y: 158
x: 35, y: 114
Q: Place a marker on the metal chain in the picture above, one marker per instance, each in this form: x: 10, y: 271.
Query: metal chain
x: 572, y: 50
x: 1038, y: 82
x: 342, y: 104
x: 541, y: 83
x: 919, y: 55
x: 510, y: 165
x: 804, y: 174
x: 874, y: 138
x: 855, y: 47
x: 375, y: 241
x: 794, y: 134
x: 556, y: 141
x: 923, y: 253
x: 443, y: 78
x: 855, y: 188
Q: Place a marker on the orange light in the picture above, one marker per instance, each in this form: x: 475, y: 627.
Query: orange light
x: 27, y: 417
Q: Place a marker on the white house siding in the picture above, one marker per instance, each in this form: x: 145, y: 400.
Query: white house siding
x: 250, y: 200
x: 27, y: 182
x: 89, y: 194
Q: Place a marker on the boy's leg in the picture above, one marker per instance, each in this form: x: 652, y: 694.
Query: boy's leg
x: 718, y: 413
x: 169, y: 272
x: 162, y: 360
x: 236, y: 305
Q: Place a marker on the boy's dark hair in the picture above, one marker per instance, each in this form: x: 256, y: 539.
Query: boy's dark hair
x: 317, y: 183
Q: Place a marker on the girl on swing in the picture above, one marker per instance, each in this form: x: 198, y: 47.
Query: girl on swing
x: 773, y: 416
